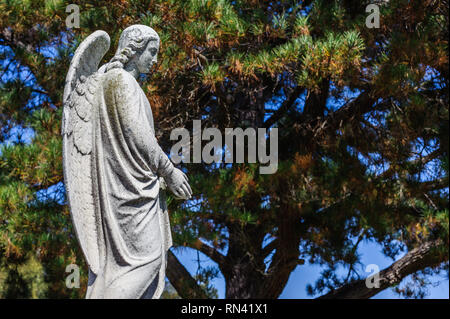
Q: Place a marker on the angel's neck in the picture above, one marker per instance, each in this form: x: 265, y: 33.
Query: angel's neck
x: 132, y: 68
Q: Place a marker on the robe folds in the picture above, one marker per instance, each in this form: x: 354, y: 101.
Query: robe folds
x: 130, y: 205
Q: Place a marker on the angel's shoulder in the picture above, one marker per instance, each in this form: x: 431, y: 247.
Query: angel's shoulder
x: 117, y: 78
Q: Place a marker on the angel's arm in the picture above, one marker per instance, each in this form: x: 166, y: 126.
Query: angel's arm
x: 122, y: 96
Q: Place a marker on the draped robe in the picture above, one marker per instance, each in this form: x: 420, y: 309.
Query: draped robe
x: 130, y: 206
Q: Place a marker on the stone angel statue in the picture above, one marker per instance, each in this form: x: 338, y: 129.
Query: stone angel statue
x: 114, y: 169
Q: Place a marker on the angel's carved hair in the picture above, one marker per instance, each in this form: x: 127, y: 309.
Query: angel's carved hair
x: 133, y: 40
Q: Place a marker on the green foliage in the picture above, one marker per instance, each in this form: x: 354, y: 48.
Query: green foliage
x: 24, y: 281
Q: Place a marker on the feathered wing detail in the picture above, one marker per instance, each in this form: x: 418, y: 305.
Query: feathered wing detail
x: 80, y: 102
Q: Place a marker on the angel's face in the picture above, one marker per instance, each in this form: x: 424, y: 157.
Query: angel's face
x: 148, y: 57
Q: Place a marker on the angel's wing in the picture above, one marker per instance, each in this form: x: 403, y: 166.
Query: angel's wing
x: 80, y: 101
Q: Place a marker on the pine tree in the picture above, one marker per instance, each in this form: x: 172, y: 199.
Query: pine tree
x: 362, y: 115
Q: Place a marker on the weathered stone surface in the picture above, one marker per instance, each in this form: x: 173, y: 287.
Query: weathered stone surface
x: 114, y: 168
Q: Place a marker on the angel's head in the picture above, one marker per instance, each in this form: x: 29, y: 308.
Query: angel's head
x: 138, y: 47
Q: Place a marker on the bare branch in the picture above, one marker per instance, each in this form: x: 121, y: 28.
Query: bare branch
x: 435, y: 185
x: 181, y: 280
x: 209, y: 251
x: 416, y: 259
x: 285, y: 106
x: 419, y: 161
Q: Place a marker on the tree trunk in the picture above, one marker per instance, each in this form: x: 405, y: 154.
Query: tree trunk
x: 243, y: 281
x: 244, y: 269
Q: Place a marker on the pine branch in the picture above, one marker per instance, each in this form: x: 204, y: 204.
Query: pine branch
x: 315, y: 103
x: 24, y: 42
x: 419, y: 161
x: 7, y: 35
x: 434, y: 185
x: 209, y: 251
x: 356, y: 107
x: 315, y: 129
x: 415, y: 260
x: 40, y: 91
x: 285, y: 106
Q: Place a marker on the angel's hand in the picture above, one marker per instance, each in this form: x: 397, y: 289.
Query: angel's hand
x: 178, y: 184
